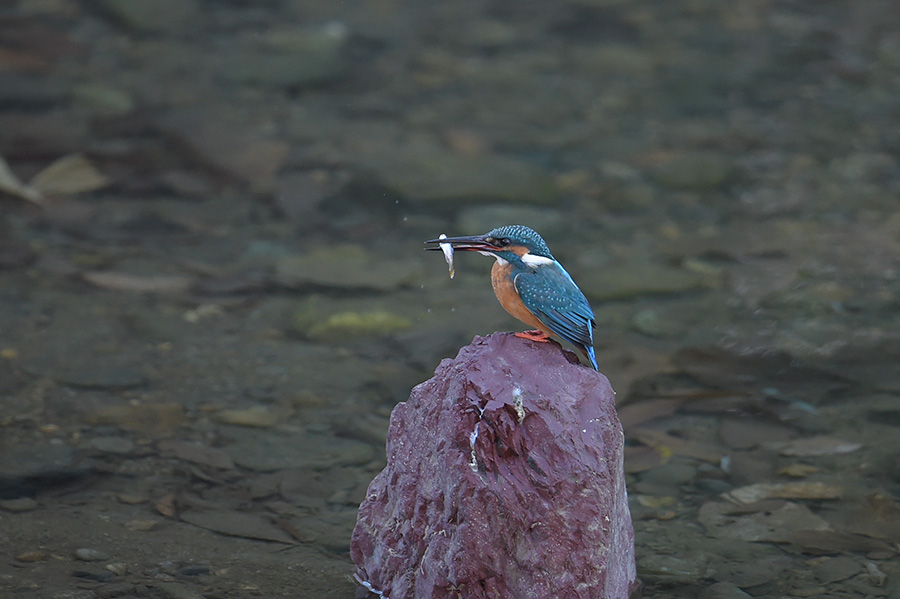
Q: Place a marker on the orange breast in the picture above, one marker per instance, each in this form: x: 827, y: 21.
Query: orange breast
x: 506, y: 293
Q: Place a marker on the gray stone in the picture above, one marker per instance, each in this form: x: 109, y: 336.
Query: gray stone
x: 266, y: 451
x: 35, y: 461
x: 118, y: 445
x: 26, y: 470
x: 723, y: 590
x: 103, y: 376
x: 672, y: 473
x: 290, y: 59
x: 86, y: 554
x: 22, y: 504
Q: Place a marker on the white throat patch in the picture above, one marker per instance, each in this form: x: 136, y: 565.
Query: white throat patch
x: 500, y: 260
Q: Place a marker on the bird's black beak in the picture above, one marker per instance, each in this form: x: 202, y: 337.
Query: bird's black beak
x: 474, y: 243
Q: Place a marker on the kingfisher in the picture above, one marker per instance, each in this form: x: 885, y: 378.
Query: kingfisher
x: 531, y: 285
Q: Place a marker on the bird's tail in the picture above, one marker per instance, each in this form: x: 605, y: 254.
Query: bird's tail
x: 589, y: 354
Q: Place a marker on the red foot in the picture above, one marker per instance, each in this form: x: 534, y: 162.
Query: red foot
x: 535, y: 335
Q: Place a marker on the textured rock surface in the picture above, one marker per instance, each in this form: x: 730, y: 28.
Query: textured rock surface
x: 474, y: 503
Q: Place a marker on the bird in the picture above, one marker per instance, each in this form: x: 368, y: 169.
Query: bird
x: 531, y: 285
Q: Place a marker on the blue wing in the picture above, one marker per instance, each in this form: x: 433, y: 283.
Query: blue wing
x: 554, y: 298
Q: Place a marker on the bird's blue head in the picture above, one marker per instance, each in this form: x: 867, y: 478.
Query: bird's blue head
x: 517, y: 244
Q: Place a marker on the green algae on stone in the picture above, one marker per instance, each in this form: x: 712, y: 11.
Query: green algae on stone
x: 318, y: 319
x: 258, y: 416
x: 345, y: 325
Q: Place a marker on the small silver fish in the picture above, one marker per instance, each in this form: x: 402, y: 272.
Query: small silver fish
x: 448, y: 254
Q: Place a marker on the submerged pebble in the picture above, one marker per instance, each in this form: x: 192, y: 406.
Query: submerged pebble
x: 86, y: 554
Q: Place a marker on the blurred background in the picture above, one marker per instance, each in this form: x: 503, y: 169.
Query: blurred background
x: 213, y: 289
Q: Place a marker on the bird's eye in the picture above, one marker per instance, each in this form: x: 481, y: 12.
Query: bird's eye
x: 503, y: 242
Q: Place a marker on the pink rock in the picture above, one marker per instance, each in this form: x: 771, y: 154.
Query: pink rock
x: 504, y: 480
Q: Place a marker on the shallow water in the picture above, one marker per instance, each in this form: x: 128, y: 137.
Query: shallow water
x: 213, y: 289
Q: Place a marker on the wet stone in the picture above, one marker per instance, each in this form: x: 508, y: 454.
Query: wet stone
x: 712, y: 486
x: 237, y: 524
x: 746, y: 433
x: 23, y: 470
x: 118, y: 445
x: 195, y: 570
x: 258, y: 416
x: 268, y: 451
x: 118, y: 589
x: 150, y: 418
x: 86, y: 554
x: 176, y: 590
x: 32, y: 556
x: 723, y: 590
x: 142, y: 525
x: 669, y: 568
x: 130, y: 499
x: 673, y: 473
x: 22, y: 504
x: 836, y: 569
x: 95, y: 575
x: 99, y: 376
x: 193, y: 452
x: 771, y: 525
x: 752, y: 572
x: 655, y: 488
x: 290, y: 59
